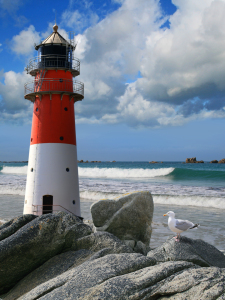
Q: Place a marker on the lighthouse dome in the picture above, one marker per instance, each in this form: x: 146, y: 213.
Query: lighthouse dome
x: 55, y: 39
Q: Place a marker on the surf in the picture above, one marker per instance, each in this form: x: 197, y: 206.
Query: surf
x: 14, y: 170
x: 123, y: 173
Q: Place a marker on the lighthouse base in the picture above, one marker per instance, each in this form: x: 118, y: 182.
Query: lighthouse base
x: 52, y: 179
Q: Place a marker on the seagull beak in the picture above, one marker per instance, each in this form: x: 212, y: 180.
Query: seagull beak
x: 165, y: 215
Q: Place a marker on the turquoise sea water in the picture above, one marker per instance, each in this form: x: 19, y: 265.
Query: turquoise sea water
x: 194, y: 191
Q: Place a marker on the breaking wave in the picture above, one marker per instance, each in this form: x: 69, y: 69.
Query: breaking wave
x: 123, y: 173
x: 14, y: 170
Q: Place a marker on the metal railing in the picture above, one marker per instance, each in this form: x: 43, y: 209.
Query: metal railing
x: 53, y: 61
x: 38, y: 209
x: 54, y: 85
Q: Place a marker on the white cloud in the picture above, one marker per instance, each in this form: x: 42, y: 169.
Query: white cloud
x: 178, y: 73
x: 12, y: 91
x: 77, y: 20
x: 23, y: 43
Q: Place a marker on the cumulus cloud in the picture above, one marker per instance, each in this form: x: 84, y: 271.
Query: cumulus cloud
x: 182, y: 67
x: 23, y: 43
x: 12, y: 103
x: 77, y: 20
x: 138, y: 72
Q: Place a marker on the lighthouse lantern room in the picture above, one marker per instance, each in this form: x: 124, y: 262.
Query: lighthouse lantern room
x: 52, y: 176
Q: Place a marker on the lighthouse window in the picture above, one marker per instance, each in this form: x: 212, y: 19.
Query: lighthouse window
x: 31, y: 139
x: 65, y: 108
x: 67, y: 169
x: 61, y: 138
x: 37, y: 109
x: 74, y: 201
x: 31, y: 169
x: 60, y: 80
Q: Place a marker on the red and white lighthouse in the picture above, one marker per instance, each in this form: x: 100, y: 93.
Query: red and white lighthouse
x: 52, y: 176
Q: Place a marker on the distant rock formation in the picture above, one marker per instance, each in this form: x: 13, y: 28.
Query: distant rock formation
x: 153, y: 162
x: 193, y: 161
x: 214, y: 161
x: 222, y: 161
x: 93, y: 161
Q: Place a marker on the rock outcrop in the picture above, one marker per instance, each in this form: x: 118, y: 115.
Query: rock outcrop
x: 74, y: 263
x: 195, y: 251
x: 191, y: 160
x: 194, y: 161
x: 214, y: 161
x: 13, y: 225
x: 128, y: 217
x: 35, y: 243
x: 222, y: 161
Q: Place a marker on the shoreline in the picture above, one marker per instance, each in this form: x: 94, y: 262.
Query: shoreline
x: 212, y: 232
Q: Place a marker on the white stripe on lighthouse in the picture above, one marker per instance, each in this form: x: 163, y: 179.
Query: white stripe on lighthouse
x: 52, y: 170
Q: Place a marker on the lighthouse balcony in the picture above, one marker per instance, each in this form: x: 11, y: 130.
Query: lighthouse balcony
x: 53, y: 61
x: 63, y: 86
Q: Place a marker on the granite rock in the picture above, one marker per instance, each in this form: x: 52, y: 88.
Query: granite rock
x: 128, y: 217
x: 196, y: 251
x: 115, y: 276
x: 13, y: 225
x: 35, y: 243
x: 74, y: 263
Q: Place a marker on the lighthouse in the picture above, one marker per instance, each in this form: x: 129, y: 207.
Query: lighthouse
x: 52, y: 175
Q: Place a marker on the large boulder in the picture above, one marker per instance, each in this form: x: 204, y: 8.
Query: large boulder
x: 132, y: 276
x: 128, y: 217
x: 196, y: 251
x: 35, y: 243
x: 89, y: 248
x: 74, y: 263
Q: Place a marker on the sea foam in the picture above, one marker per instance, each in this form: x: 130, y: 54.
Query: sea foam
x: 123, y: 173
x: 183, y: 200
x: 14, y: 170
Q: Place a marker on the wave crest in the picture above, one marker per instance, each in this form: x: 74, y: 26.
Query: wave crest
x: 123, y: 173
x: 14, y: 170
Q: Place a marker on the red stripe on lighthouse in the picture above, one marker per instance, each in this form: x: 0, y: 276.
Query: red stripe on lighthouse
x: 53, y: 120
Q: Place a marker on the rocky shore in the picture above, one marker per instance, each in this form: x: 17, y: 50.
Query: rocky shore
x: 58, y: 256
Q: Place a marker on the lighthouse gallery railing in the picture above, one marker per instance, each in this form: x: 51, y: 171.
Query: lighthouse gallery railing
x: 53, y: 61
x: 51, y: 85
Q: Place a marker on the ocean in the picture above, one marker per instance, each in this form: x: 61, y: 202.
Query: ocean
x: 195, y: 192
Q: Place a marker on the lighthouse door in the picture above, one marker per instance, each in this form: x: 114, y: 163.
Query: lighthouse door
x: 47, y: 204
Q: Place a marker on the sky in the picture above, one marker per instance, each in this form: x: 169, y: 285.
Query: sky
x: 153, y: 73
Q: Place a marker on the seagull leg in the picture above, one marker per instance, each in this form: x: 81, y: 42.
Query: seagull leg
x: 176, y: 238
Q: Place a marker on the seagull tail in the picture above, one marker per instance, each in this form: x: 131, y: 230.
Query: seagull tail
x: 195, y: 226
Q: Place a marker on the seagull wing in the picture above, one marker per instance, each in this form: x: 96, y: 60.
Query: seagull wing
x: 183, y: 224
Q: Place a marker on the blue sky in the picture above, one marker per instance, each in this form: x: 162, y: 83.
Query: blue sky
x: 154, y: 75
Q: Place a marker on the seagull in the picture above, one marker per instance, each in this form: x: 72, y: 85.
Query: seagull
x: 177, y: 225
